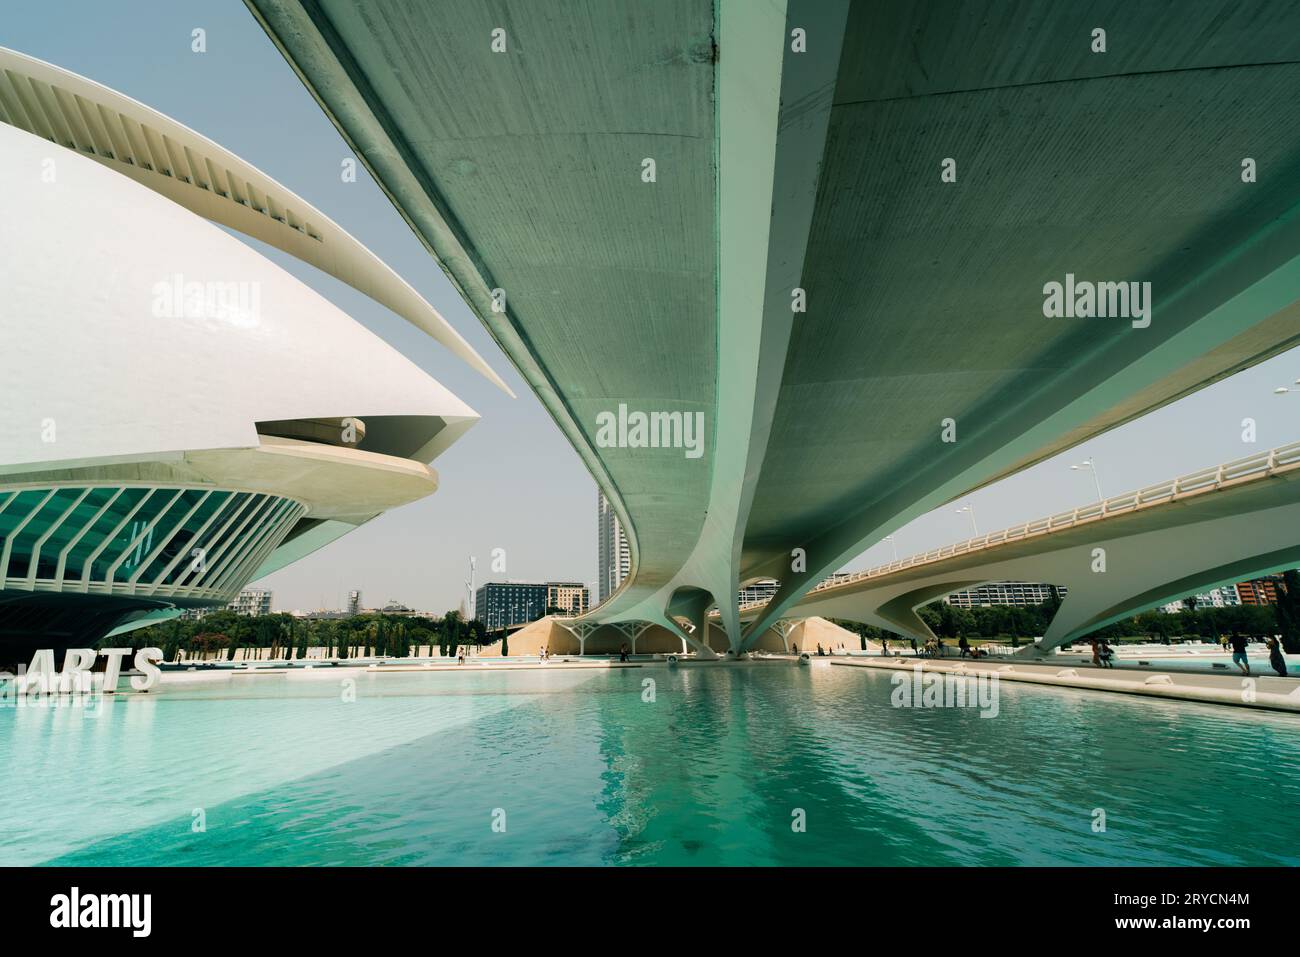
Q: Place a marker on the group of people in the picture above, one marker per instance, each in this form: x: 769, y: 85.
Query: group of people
x: 933, y: 648
x: 823, y: 652
x: 1102, y: 653
x: 1276, y: 660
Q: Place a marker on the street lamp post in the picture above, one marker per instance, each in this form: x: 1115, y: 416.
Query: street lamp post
x: 968, y: 507
x: 1090, y: 466
x: 893, y: 545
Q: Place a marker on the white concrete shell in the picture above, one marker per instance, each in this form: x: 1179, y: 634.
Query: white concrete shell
x: 101, y: 361
x: 147, y: 352
x: 190, y: 169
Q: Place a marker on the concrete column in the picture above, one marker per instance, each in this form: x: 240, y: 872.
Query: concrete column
x: 702, y: 635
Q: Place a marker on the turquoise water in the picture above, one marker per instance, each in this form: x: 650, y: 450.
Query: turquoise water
x: 583, y: 770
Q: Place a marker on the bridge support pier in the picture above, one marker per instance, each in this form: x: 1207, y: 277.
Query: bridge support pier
x: 632, y: 630
x: 785, y: 628
x: 704, y: 652
x: 581, y: 630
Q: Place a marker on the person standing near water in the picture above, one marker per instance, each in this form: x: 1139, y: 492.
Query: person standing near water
x: 1275, y: 656
x: 1105, y: 653
x: 1239, y: 652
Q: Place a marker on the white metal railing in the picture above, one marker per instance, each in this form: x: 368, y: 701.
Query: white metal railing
x: 1250, y: 468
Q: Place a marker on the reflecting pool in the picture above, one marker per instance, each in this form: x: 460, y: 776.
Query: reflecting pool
x: 738, y: 764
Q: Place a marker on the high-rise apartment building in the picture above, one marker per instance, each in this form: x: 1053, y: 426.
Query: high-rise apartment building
x: 613, y: 554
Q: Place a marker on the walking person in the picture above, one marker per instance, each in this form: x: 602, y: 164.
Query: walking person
x: 1239, y: 658
x: 1275, y: 656
x: 622, y: 652
x: 1106, y: 654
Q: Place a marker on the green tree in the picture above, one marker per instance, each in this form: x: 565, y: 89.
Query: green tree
x: 452, y: 625
x: 420, y: 636
x: 171, y: 646
x: 476, y: 631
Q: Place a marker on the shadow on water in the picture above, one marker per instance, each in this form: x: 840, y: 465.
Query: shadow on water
x: 724, y: 762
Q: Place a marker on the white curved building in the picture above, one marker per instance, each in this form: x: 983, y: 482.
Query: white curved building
x: 181, y: 414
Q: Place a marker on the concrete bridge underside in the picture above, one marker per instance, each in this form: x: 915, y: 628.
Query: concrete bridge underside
x: 819, y: 169
x: 1113, y: 567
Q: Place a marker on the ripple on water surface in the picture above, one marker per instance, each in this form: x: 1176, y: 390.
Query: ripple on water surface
x: 582, y: 769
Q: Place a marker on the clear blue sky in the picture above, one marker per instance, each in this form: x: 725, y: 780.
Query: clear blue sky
x: 513, y: 481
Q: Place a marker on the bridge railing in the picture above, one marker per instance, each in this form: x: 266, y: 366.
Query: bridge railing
x: 1249, y: 468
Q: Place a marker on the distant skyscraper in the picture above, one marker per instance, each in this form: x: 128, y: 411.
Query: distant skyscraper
x: 613, y: 554
x: 354, y: 602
